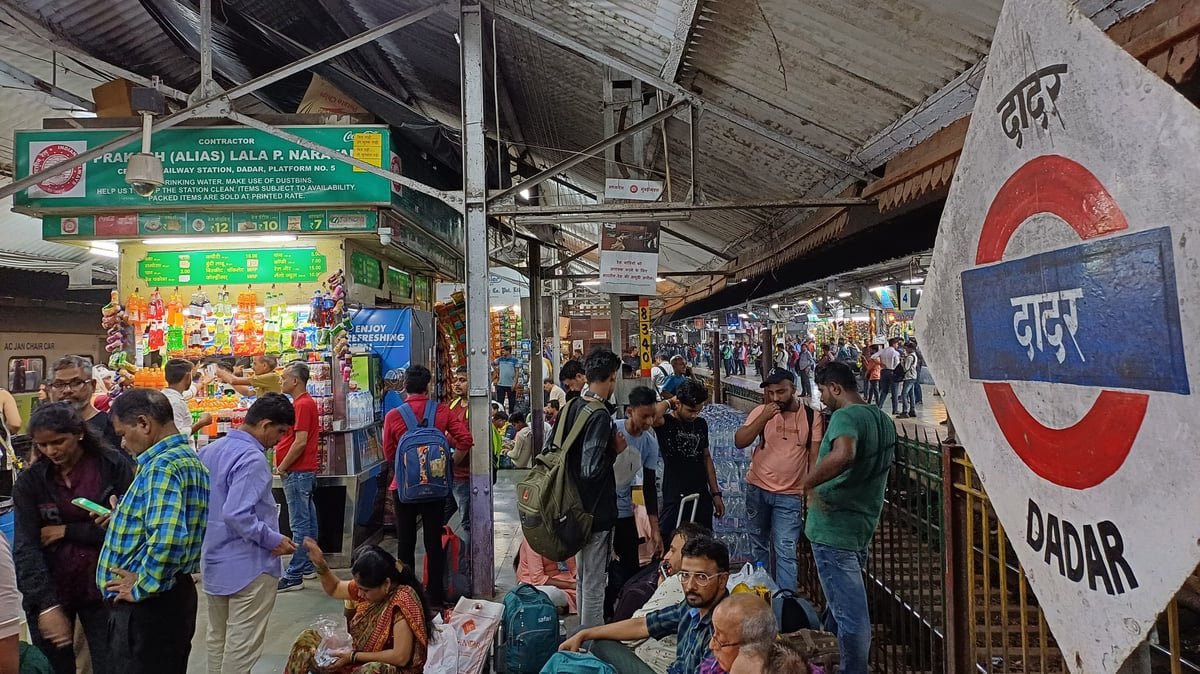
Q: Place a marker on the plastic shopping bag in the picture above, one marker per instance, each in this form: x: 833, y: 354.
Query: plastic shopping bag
x: 742, y: 576
x: 335, y: 640
x: 443, y: 650
x: 475, y: 624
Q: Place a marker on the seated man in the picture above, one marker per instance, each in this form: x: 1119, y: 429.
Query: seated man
x: 660, y: 653
x: 704, y: 572
x: 556, y: 579
x: 739, y: 621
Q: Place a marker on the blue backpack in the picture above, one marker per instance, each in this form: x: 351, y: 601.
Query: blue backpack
x: 530, y: 629
x: 422, y: 458
x: 564, y: 662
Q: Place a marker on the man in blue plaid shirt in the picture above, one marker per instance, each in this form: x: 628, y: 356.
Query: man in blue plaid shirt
x: 704, y: 572
x: 152, y: 545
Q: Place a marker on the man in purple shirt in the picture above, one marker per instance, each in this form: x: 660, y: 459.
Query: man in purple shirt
x: 239, y: 561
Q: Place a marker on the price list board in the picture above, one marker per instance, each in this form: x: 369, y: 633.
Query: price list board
x: 232, y: 267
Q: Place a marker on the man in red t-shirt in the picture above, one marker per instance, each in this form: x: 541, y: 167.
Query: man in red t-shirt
x: 432, y: 513
x: 296, y: 465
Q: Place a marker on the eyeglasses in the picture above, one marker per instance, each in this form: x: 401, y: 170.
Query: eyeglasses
x: 702, y: 579
x: 722, y: 644
x: 73, y: 384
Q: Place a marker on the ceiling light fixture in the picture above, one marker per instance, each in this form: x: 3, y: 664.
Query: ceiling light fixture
x: 844, y: 293
x: 596, y: 218
x: 879, y: 289
x: 915, y: 279
x: 103, y: 249
x: 524, y: 194
x: 589, y: 283
x: 198, y: 240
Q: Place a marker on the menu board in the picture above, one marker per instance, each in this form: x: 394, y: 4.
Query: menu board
x: 206, y: 223
x: 366, y: 270
x: 399, y: 283
x: 233, y: 267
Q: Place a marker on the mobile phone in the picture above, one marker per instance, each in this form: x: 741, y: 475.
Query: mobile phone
x: 91, y: 506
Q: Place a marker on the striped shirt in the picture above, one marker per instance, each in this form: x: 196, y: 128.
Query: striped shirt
x: 692, y: 631
x: 157, y: 528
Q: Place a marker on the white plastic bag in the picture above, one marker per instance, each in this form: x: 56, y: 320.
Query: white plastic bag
x: 760, y: 576
x: 443, y: 649
x: 475, y: 624
x: 743, y: 576
x: 335, y: 640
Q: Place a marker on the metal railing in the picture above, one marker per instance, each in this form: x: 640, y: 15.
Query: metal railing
x: 946, y: 592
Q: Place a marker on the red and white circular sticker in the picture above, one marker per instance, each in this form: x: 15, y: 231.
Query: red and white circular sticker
x: 51, y: 156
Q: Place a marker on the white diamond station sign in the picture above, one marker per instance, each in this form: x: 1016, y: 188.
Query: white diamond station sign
x: 1061, y: 321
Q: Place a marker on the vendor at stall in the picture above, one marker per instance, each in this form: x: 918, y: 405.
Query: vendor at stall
x: 264, y: 380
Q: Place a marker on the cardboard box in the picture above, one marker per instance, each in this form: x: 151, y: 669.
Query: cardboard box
x: 322, y: 98
x: 113, y: 99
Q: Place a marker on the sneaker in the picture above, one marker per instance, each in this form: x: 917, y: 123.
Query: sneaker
x: 311, y: 574
x: 290, y: 584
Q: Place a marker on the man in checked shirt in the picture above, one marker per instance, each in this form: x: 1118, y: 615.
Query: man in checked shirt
x: 152, y: 545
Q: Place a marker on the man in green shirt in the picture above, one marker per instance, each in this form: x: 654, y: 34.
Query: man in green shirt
x: 845, y: 498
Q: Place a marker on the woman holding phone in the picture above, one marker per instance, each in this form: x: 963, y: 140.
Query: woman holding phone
x: 57, y: 542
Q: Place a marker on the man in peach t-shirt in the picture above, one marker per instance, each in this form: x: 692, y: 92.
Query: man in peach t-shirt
x: 556, y: 579
x: 789, y: 434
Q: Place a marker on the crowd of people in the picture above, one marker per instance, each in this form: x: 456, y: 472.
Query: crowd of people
x: 118, y: 515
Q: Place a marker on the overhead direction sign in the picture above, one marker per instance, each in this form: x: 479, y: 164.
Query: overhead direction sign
x: 1059, y: 304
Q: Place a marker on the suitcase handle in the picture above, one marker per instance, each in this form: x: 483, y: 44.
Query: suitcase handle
x: 694, y: 500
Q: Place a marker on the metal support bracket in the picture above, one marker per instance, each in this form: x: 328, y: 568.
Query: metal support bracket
x: 34, y: 82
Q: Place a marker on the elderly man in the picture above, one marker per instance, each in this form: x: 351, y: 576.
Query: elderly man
x: 739, y: 621
x: 152, y: 546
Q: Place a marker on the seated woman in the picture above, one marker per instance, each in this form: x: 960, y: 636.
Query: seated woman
x: 391, y: 623
x: 556, y: 579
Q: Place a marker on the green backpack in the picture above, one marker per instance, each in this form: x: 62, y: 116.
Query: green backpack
x: 553, y: 517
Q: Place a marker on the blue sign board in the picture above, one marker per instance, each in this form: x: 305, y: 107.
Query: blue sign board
x: 387, y: 332
x: 1102, y: 313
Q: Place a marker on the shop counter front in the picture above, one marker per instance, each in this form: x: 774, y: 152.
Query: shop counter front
x: 350, y: 494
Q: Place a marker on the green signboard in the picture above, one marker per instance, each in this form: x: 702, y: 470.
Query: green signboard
x: 206, y: 223
x: 232, y: 267
x: 421, y: 289
x: 366, y: 270
x: 236, y: 167
x: 399, y: 283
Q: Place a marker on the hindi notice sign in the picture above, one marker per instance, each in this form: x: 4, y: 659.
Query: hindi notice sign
x: 629, y: 258
x: 1068, y: 247
x: 636, y: 190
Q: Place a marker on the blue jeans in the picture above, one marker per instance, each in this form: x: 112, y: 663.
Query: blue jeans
x: 917, y: 386
x: 302, y: 518
x: 462, y: 496
x: 841, y: 574
x: 907, y: 396
x: 779, y: 520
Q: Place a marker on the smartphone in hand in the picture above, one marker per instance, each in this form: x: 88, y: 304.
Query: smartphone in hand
x: 91, y: 506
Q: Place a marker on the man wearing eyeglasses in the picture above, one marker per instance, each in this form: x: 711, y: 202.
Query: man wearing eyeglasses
x: 73, y: 383
x: 703, y: 576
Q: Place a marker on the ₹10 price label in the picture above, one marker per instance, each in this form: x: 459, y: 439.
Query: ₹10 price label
x: 1059, y: 320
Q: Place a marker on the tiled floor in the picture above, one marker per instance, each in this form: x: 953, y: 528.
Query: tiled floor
x: 295, y: 611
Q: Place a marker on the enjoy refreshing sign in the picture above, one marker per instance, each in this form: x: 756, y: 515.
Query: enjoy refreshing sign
x: 203, y: 167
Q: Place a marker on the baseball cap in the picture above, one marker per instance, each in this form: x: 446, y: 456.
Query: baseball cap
x: 778, y: 375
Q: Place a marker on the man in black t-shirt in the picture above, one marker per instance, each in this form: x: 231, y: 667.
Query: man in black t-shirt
x: 73, y: 383
x: 687, y: 465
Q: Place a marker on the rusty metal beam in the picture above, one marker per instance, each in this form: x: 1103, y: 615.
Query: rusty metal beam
x: 681, y: 207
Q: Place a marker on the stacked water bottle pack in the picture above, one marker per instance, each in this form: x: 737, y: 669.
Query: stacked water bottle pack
x: 731, y: 464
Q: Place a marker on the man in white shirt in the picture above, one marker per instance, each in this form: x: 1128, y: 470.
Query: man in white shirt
x: 660, y: 372
x: 554, y: 392
x: 889, y: 358
x: 178, y: 373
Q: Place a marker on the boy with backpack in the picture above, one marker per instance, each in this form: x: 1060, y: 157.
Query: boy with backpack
x: 568, y: 503
x: 417, y: 437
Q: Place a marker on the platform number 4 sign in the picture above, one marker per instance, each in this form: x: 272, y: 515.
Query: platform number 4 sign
x: 1061, y: 323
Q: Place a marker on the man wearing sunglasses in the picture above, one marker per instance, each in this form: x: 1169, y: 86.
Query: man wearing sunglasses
x: 73, y: 383
x: 704, y: 573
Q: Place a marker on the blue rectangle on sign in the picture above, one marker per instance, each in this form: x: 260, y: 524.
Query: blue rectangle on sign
x: 1102, y: 313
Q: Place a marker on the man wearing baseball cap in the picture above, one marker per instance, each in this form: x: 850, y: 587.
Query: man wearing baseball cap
x: 788, y: 433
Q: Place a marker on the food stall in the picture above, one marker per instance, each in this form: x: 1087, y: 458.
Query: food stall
x: 257, y: 246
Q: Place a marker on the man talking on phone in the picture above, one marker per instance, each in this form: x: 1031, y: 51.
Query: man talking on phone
x: 788, y: 434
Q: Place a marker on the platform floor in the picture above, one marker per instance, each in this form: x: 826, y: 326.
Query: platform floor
x: 295, y: 611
